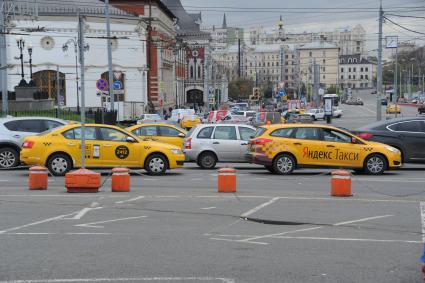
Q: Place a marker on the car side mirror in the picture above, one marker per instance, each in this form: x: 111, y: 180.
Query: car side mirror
x: 181, y: 135
x: 130, y: 139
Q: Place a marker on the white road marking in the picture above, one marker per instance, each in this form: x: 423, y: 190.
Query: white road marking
x: 71, y: 233
x: 83, y: 212
x: 422, y: 207
x: 150, y: 179
x: 37, y: 223
x: 92, y: 224
x: 230, y: 240
x: 348, y: 239
x: 208, y: 208
x: 362, y: 220
x: 48, y: 233
x: 4, y: 180
x: 257, y: 208
x: 130, y: 200
x: 72, y: 280
x: 278, y: 234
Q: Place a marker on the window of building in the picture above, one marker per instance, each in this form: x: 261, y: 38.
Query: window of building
x: 324, y: 53
x: 286, y: 77
x: 286, y: 63
x: 367, y: 69
x: 361, y: 69
x: 46, y: 82
x: 349, y: 70
x: 268, y: 64
x: 277, y: 64
x: 311, y: 54
x: 324, y: 77
x: 361, y: 77
x: 323, y: 69
x: 286, y: 56
x: 342, y: 70
x: 342, y: 77
x: 349, y: 77
x: 272, y: 64
x: 354, y: 77
x: 354, y: 69
x: 366, y: 77
x: 324, y: 61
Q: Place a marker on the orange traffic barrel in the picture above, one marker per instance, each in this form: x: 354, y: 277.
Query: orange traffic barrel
x: 227, y: 180
x: 341, y: 183
x: 120, y: 180
x: 37, y: 179
x: 82, y: 181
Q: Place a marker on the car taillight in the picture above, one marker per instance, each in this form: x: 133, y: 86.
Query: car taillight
x: 28, y: 144
x: 365, y: 136
x: 188, y: 143
x: 260, y: 141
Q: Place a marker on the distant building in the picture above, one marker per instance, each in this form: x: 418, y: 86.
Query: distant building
x: 356, y: 72
x: 323, y: 54
x: 224, y: 36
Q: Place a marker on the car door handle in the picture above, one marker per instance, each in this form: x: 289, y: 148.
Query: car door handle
x: 216, y: 143
x: 297, y: 143
x: 244, y: 143
x: 17, y: 136
x: 329, y: 145
x: 70, y: 144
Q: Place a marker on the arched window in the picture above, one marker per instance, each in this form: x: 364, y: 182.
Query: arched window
x: 191, y: 72
x: 199, y: 72
x: 46, y: 82
x: 119, y: 94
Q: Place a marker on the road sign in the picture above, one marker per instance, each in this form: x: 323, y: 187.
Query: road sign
x: 117, y: 85
x: 282, y: 93
x: 102, y: 84
x: 391, y: 41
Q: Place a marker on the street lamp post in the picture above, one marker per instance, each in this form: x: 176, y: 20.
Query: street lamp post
x: 21, y: 45
x: 85, y: 48
x: 29, y: 47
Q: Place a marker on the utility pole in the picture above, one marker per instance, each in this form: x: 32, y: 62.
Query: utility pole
x: 57, y: 92
x: 3, y: 57
x: 239, y: 57
x: 148, y: 52
x: 83, y: 91
x: 316, y: 82
x: 395, y: 75
x: 110, y: 74
x: 379, y: 73
x: 206, y: 76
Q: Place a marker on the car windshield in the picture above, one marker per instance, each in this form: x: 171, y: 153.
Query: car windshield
x: 259, y: 132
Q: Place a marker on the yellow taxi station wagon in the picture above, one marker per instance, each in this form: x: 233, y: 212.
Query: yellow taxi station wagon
x: 106, y: 146
x: 283, y: 148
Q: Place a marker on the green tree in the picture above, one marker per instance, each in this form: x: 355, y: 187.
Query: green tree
x: 240, y: 88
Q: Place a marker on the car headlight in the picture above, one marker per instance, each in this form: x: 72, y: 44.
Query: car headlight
x: 392, y: 149
x: 177, y: 151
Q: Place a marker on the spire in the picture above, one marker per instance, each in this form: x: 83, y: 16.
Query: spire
x: 224, y: 21
x: 280, y: 24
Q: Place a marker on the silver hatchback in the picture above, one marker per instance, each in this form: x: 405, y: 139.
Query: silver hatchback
x: 211, y: 143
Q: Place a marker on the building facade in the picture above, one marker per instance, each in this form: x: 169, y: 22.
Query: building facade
x: 356, y: 72
x: 55, y: 69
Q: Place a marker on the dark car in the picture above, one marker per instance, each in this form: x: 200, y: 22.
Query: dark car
x: 421, y: 109
x: 384, y: 101
x: 405, y: 134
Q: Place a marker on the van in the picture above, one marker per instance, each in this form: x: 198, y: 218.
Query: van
x: 177, y: 114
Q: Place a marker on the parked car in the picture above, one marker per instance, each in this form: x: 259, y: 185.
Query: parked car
x: 165, y: 133
x: 337, y: 112
x: 149, y: 118
x: 316, y: 113
x: 211, y: 143
x: 14, y: 130
x: 405, y: 134
x: 189, y: 121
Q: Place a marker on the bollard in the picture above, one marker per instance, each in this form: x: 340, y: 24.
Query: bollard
x: 227, y: 180
x: 82, y: 181
x: 37, y: 179
x: 120, y: 180
x: 341, y: 183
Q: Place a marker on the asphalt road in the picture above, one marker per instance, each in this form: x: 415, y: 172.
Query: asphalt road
x: 178, y: 228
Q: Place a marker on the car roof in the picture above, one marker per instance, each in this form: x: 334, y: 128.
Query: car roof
x: 388, y: 122
x: 7, y: 119
x: 223, y: 124
x: 307, y: 125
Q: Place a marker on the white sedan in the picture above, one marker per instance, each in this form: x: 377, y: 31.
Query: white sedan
x: 337, y: 112
x: 316, y: 113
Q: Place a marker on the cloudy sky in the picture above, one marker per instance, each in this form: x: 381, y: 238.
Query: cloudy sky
x: 316, y: 15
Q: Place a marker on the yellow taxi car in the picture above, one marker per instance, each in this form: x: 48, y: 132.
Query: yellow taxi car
x: 160, y: 132
x: 393, y: 109
x: 190, y: 121
x: 106, y: 146
x: 283, y: 148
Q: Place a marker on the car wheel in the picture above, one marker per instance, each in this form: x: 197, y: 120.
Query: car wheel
x: 270, y: 169
x: 59, y: 164
x: 8, y: 158
x: 156, y: 164
x: 284, y: 164
x: 375, y: 164
x: 314, y: 118
x: 207, y: 160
